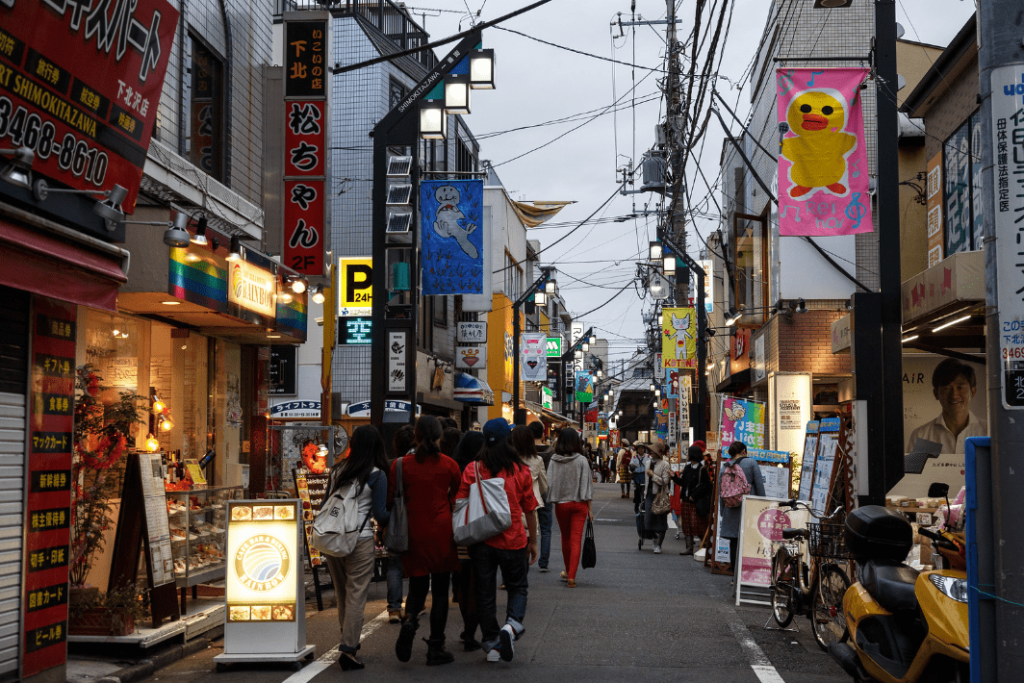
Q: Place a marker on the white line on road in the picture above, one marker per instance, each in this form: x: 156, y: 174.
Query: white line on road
x: 324, y: 661
x: 759, y: 661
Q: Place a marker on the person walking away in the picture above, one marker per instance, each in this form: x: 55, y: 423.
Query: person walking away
x: 694, y: 486
x: 430, y: 480
x: 449, y: 442
x: 467, y: 452
x: 523, y: 443
x: 659, y: 477
x: 544, y: 512
x: 512, y: 551
x: 638, y: 467
x: 364, y: 469
x: 625, y: 478
x: 571, y: 491
x: 739, y: 465
x: 402, y: 443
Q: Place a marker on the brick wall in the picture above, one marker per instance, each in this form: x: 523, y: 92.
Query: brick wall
x: 805, y: 344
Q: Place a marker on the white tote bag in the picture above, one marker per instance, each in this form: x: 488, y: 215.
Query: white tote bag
x: 484, y: 514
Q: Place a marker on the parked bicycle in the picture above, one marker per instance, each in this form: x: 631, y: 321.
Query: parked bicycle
x: 817, y: 589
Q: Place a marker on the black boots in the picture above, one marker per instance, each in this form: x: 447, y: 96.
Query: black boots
x: 403, y: 646
x: 436, y: 654
x: 689, y: 545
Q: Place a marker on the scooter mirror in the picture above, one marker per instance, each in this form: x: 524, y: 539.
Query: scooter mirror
x: 938, y: 490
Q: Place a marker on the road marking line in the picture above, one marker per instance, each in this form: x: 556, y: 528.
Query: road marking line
x: 759, y: 661
x: 324, y: 661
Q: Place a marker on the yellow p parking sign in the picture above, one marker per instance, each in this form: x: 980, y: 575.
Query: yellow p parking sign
x: 355, y: 286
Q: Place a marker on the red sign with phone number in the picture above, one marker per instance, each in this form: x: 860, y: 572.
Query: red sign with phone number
x: 80, y: 86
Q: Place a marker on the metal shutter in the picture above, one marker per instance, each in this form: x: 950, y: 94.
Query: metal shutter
x: 12, y: 500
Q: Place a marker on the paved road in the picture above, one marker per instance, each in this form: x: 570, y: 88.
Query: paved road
x: 635, y: 617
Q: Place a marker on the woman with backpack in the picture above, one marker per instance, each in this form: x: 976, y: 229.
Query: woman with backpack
x: 657, y: 503
x: 694, y: 487
x: 571, y: 491
x: 741, y: 477
x: 363, y: 473
x: 429, y: 481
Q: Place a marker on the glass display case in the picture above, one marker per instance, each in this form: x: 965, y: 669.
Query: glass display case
x: 198, y: 521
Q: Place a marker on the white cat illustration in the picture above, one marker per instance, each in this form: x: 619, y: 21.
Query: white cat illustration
x: 448, y: 218
x: 682, y: 335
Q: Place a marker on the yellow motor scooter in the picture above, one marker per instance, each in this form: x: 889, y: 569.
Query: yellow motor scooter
x: 905, y: 626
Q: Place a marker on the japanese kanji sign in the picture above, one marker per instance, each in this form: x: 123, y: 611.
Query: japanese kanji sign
x: 305, y: 143
x: 80, y: 87
x: 742, y: 421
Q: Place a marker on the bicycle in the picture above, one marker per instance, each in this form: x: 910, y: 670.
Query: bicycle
x: 816, y: 590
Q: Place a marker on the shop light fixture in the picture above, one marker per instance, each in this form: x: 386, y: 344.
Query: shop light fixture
x: 732, y: 316
x: 152, y: 445
x: 433, y: 120
x: 296, y: 282
x: 540, y: 298
x: 657, y: 392
x: 600, y: 373
x: 669, y: 265
x: 951, y: 323
x: 165, y: 423
x: 318, y: 294
x: 285, y: 297
x: 109, y: 207
x: 653, y: 387
x: 550, y: 287
x: 481, y: 69
x: 273, y: 336
x: 661, y: 320
x: 800, y: 306
x: 584, y: 347
x: 578, y: 355
x: 200, y: 236
x: 910, y: 339
x: 235, y: 253
x: 171, y: 303
x: 19, y: 171
x: 158, y: 405
x: 177, y: 235
x: 456, y: 93
x: 593, y: 339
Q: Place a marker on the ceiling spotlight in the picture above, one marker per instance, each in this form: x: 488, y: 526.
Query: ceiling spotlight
x: 800, y: 306
x: 200, y: 236
x: 176, y: 235
x: 235, y: 253
x: 19, y: 171
x: 297, y: 283
x: 732, y: 316
x: 318, y: 294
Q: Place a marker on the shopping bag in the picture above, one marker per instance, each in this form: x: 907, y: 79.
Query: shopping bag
x: 588, y: 557
x: 483, y: 514
x: 396, y: 537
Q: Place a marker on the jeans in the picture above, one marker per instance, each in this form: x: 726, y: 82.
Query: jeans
x: 437, y: 585
x: 395, y: 583
x: 351, y: 576
x: 572, y: 517
x: 544, y: 523
x: 514, y: 565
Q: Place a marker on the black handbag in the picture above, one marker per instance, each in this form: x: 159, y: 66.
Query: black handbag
x: 588, y: 557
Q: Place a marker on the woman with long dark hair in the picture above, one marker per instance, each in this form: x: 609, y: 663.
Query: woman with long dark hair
x: 525, y: 447
x: 429, y: 480
x: 571, y: 490
x: 364, y: 470
x: 513, y: 551
x: 694, y: 486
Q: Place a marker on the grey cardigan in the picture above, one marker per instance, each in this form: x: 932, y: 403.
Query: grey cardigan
x: 731, y: 517
x: 569, y: 479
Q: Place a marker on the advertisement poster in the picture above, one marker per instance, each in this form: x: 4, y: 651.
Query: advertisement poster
x: 602, y: 424
x: 807, y: 464
x: 959, y: 398
x: 533, y: 362
x: 451, y: 236
x: 584, y: 387
x: 679, y: 337
x: 823, y: 170
x: 471, y: 357
x: 742, y: 421
x: 83, y: 93
x: 828, y: 447
x: 312, y: 488
x: 262, y: 561
x: 760, y: 534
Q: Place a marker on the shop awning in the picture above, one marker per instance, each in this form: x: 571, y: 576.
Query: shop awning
x: 61, y: 266
x: 735, y: 382
x: 472, y: 390
x: 954, y: 284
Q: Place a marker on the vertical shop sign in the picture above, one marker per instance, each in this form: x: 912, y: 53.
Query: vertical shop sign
x: 534, y: 362
x: 82, y: 90
x: 48, y: 507
x: 584, y: 387
x: 305, y: 137
x: 397, y: 374
x: 708, y: 266
x: 933, y: 196
x: 957, y: 192
x: 679, y: 337
x: 451, y: 236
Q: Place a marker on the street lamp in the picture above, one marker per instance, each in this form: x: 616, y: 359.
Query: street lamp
x: 733, y: 316
x: 433, y: 121
x: 481, y: 69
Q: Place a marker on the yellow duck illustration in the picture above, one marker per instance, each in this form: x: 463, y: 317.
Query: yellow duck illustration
x: 818, y: 150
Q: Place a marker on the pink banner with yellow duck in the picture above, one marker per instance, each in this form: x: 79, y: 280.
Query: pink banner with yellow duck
x: 823, y: 169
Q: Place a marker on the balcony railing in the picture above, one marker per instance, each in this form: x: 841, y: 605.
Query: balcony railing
x: 390, y: 19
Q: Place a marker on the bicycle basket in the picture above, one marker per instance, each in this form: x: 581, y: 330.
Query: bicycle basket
x: 827, y: 540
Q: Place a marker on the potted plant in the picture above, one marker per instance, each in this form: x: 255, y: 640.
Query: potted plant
x: 110, y: 614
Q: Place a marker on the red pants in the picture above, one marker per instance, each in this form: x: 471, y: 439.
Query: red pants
x: 572, y: 518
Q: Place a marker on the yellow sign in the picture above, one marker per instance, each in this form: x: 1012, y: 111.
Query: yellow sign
x: 679, y: 337
x: 262, y: 560
x: 253, y: 288
x: 355, y: 286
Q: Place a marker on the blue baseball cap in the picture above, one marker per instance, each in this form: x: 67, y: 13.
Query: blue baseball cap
x: 497, y: 429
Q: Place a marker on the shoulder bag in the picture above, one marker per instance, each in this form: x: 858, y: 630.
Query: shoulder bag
x: 396, y: 537
x: 662, y: 503
x: 588, y: 555
x: 485, y: 513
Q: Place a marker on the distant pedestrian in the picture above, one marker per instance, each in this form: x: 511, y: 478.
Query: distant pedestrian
x: 544, y: 511
x: 448, y: 423
x: 402, y: 443
x: 364, y: 469
x: 430, y: 480
x: 521, y: 440
x: 638, y: 467
x: 694, y: 487
x: 739, y: 465
x: 570, y: 489
x: 468, y: 452
x: 625, y: 478
x: 512, y: 551
x: 659, y: 477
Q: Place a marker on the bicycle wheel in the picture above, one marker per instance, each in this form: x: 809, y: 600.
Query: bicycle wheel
x: 782, y: 588
x: 828, y: 621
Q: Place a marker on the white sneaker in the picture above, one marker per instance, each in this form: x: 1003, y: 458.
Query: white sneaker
x: 507, y: 649
x: 657, y: 550
x: 493, y: 655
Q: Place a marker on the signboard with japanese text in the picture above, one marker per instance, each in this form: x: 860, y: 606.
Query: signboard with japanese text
x: 398, y: 376
x: 355, y: 286
x: 82, y: 90
x: 305, y: 145
x: 933, y: 195
x: 451, y: 236
x: 679, y: 337
x: 312, y: 488
x: 48, y: 503
x: 282, y: 370
x: 742, y: 421
x: 708, y: 266
x: 807, y: 462
x: 1007, y: 129
x: 471, y: 333
x: 356, y: 330
x: 533, y: 366
x: 823, y: 168
x: 825, y: 460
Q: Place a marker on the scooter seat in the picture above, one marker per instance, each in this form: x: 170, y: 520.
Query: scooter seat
x: 890, y: 583
x: 790, y: 534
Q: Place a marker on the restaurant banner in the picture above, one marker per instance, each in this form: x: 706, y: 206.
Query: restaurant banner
x: 452, y: 236
x: 742, y: 421
x: 305, y: 138
x: 534, y: 362
x: 823, y: 170
x: 82, y: 90
x: 679, y: 337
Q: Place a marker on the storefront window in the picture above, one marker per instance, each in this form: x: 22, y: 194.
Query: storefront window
x: 962, y: 191
x: 205, y: 139
x: 750, y: 284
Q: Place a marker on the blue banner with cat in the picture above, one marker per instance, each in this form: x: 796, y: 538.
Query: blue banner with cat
x: 451, y: 236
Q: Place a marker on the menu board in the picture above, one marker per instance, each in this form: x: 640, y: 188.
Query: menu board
x: 828, y: 448
x: 155, y: 507
x: 760, y: 534
x: 312, y: 490
x: 262, y: 567
x: 807, y: 465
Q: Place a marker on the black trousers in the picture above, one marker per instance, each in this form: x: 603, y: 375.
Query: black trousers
x: 437, y: 585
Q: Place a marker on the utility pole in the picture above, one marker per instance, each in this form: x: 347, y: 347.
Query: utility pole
x: 1001, y: 71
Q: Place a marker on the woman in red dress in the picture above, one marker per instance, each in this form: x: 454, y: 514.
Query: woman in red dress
x: 430, y: 481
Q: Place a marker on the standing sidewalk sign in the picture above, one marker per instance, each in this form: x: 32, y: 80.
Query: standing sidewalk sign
x: 760, y: 534
x: 265, y: 584
x: 829, y: 449
x: 312, y: 488
x: 807, y: 464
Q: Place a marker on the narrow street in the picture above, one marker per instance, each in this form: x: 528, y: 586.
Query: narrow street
x: 637, y: 616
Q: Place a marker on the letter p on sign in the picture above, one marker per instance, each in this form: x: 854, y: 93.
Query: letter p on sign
x: 355, y: 286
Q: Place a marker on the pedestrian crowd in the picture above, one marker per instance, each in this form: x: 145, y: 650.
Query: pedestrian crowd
x: 461, y: 514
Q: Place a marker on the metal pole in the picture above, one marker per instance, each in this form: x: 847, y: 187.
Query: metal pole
x: 517, y: 418
x: 378, y: 351
x: 699, y: 424
x: 1001, y: 65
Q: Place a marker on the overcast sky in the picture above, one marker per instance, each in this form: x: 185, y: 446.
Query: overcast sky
x: 537, y: 83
